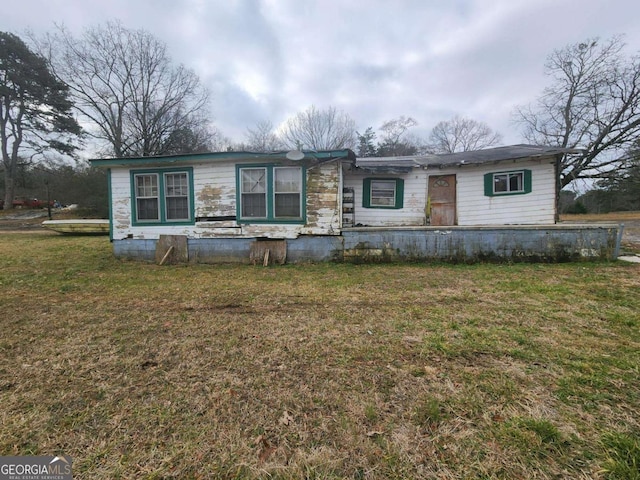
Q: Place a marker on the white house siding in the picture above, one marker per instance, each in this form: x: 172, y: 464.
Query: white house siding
x: 215, y: 196
x: 214, y: 190
x: 120, y: 202
x: 535, y: 208
x: 414, y: 203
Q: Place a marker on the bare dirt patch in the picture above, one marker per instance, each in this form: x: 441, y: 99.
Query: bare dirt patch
x: 30, y: 221
x: 21, y: 220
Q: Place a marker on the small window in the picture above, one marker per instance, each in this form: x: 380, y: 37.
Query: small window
x: 383, y: 193
x: 162, y: 196
x: 507, y: 183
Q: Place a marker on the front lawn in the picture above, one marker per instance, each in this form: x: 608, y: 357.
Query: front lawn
x: 317, y: 371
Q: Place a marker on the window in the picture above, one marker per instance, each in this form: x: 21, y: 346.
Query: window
x: 147, y: 198
x: 176, y: 196
x: 162, y: 196
x: 254, y: 193
x: 287, y: 191
x: 271, y: 194
x: 507, y: 183
x: 383, y: 193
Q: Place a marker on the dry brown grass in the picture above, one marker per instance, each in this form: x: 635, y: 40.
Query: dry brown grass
x: 631, y: 221
x: 614, y: 217
x: 314, y: 371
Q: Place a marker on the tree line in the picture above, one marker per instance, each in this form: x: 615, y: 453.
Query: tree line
x: 118, y: 90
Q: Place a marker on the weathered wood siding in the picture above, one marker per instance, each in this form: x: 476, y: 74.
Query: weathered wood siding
x: 323, y: 200
x: 215, y: 196
x: 412, y: 212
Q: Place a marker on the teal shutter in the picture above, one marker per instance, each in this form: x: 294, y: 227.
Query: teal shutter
x: 366, y: 193
x: 488, y: 185
x: 399, y: 193
x: 527, y: 181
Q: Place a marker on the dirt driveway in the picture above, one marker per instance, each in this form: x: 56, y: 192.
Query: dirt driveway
x: 22, y: 221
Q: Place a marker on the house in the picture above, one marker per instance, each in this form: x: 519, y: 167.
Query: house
x: 329, y: 205
x: 514, y: 185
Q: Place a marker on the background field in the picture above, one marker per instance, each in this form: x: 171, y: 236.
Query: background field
x: 317, y: 371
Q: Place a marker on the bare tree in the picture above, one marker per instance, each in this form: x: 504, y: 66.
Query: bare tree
x: 394, y: 140
x: 592, y: 104
x: 35, y: 110
x: 125, y: 86
x: 319, y: 130
x: 263, y: 139
x: 462, y: 135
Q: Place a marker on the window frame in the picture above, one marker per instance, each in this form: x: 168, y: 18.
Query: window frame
x: 161, y: 174
x: 367, y: 198
x: 270, y: 195
x: 490, y: 180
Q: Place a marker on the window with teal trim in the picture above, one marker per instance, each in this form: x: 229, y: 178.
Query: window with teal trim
x: 269, y: 193
x: 383, y: 193
x: 507, y: 183
x: 162, y: 196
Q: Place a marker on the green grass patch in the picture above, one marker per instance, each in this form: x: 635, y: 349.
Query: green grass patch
x: 316, y: 371
x: 622, y: 452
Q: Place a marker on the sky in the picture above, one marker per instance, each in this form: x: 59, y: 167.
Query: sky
x: 266, y: 60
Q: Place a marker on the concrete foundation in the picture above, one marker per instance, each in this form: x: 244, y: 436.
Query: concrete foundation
x: 551, y: 243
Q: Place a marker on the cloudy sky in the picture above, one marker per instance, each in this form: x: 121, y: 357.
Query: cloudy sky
x: 374, y: 59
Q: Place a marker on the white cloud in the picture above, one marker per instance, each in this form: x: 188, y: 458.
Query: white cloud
x: 374, y: 59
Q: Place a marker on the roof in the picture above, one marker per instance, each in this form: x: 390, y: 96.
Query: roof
x: 476, y: 157
x: 216, y: 157
x: 389, y: 164
x: 370, y: 164
x: 497, y: 154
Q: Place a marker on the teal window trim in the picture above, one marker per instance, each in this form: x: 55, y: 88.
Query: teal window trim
x: 490, y: 181
x: 270, y: 195
x: 162, y: 207
x: 399, y: 193
x: 110, y: 193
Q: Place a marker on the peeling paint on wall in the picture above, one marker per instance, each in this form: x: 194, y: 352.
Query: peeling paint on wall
x: 466, y: 245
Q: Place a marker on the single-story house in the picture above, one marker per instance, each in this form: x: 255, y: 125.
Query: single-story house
x: 514, y: 185
x: 329, y: 205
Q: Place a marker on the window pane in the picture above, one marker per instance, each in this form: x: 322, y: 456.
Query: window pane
x: 254, y: 205
x: 147, y: 208
x: 287, y: 205
x: 515, y: 182
x: 254, y: 180
x: 383, y: 193
x: 177, y: 208
x: 500, y: 183
x: 147, y: 185
x: 288, y: 180
x: 176, y: 184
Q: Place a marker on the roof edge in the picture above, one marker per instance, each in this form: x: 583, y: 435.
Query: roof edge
x: 322, y: 155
